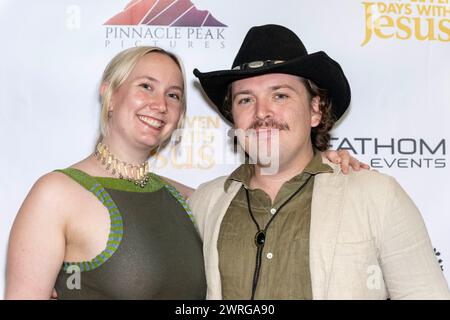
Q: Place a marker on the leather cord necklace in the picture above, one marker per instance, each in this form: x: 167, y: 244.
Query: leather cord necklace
x: 260, y: 236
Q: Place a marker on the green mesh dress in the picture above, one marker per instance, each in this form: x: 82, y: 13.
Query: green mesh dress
x: 153, y: 250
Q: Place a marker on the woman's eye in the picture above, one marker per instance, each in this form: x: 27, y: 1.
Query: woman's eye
x: 175, y: 96
x: 146, y: 86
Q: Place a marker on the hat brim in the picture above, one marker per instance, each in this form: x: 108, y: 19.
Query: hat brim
x: 318, y: 67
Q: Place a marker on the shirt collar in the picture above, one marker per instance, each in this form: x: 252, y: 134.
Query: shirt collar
x: 244, y: 172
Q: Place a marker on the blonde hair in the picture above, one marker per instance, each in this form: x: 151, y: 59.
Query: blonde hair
x: 118, y: 70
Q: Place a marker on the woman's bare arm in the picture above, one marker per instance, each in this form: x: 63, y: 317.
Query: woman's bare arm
x: 37, y: 241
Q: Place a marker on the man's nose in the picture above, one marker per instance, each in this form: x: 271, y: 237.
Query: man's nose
x: 262, y: 110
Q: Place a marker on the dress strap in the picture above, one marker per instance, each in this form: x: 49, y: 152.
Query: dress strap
x: 116, y: 229
x: 79, y: 176
x: 178, y: 196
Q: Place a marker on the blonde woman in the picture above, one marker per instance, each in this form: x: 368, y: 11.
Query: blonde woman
x: 106, y: 228
x: 130, y: 238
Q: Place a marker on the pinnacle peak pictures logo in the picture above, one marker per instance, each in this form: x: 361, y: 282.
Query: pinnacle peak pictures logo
x: 423, y: 20
x: 174, y: 13
x: 166, y: 23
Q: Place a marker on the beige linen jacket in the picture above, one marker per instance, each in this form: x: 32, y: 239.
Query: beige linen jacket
x: 367, y: 238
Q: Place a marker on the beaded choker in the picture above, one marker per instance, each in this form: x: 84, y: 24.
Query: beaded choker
x: 138, y: 174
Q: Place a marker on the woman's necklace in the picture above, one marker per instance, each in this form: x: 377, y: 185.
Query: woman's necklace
x: 138, y: 174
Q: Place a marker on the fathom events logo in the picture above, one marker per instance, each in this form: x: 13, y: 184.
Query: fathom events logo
x: 167, y: 23
x: 423, y: 20
x: 402, y: 153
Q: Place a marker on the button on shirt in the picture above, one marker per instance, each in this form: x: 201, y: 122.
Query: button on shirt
x: 285, y: 270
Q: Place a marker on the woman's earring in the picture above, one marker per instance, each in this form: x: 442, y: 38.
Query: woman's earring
x: 109, y: 115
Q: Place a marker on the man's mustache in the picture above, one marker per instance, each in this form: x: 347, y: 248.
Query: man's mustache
x: 269, y: 123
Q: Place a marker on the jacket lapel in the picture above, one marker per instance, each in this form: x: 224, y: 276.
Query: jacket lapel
x: 326, y: 215
x: 212, y: 225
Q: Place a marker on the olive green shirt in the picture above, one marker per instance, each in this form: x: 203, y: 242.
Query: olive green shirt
x: 284, y: 270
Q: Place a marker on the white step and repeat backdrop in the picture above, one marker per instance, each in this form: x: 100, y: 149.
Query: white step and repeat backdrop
x: 396, y: 54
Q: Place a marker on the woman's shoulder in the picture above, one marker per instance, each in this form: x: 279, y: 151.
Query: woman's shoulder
x: 56, y: 189
x: 51, y: 183
x: 51, y: 189
x: 43, y: 208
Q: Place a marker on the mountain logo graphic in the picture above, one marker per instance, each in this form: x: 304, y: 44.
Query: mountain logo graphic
x: 172, y: 13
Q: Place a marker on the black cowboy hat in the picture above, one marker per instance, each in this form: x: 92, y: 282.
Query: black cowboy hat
x: 276, y: 49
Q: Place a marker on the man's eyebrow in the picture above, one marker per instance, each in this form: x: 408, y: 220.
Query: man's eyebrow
x: 272, y: 88
x: 281, y: 86
x: 240, y: 92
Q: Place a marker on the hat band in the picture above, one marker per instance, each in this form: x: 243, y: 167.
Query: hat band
x: 257, y: 64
